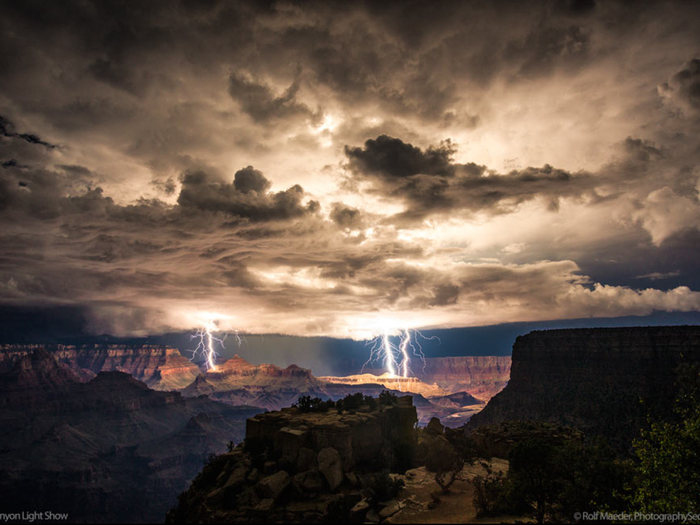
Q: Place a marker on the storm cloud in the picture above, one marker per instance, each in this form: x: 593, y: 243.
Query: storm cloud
x: 339, y: 167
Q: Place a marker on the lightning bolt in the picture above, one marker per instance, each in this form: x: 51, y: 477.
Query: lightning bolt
x: 207, y: 342
x: 397, y: 357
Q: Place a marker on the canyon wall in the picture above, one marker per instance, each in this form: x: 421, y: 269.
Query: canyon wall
x: 481, y: 376
x: 604, y: 381
x: 159, y: 366
x: 108, y: 450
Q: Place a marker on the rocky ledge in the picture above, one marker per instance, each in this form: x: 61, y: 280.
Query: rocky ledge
x: 299, y: 467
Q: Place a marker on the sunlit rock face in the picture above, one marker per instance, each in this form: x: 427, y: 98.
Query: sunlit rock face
x: 238, y: 382
x: 106, y: 450
x: 481, y: 376
x: 402, y: 384
x: 603, y: 381
x: 159, y: 366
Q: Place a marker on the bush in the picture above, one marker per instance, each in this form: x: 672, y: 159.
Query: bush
x: 387, y: 398
x: 353, y: 401
x: 490, y: 495
x: 443, y: 460
x: 668, y: 468
x: 313, y: 404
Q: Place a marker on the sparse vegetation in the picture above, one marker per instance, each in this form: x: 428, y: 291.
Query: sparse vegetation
x: 313, y: 404
x: 387, y: 398
x: 444, y: 461
x: 668, y: 469
x: 550, y: 480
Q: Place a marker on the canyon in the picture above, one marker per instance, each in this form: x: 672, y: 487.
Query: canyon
x: 470, y: 381
x: 159, y: 366
x: 110, y: 449
x: 481, y: 376
x: 238, y: 382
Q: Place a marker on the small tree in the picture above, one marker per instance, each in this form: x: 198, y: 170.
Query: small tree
x: 668, y: 472
x: 444, y: 461
x: 387, y: 398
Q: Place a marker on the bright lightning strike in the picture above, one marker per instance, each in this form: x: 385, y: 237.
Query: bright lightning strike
x: 208, y: 342
x: 396, y: 358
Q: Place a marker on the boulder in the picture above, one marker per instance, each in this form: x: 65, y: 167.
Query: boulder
x: 269, y: 467
x: 273, y: 486
x: 391, y: 507
x: 306, y: 459
x: 359, y: 511
x: 237, y: 478
x: 308, y: 482
x: 331, y: 466
x: 352, y: 479
x: 265, y: 505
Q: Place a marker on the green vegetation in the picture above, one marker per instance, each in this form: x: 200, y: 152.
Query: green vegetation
x: 552, y: 479
x: 668, y: 469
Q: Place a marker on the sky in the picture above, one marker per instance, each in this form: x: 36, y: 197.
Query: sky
x: 342, y: 169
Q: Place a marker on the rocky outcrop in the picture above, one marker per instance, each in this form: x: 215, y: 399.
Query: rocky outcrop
x: 107, y: 450
x: 481, y: 376
x: 159, y: 366
x: 604, y: 381
x: 300, y: 467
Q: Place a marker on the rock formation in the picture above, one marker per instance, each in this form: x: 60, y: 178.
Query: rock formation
x: 411, y: 385
x: 107, y: 450
x: 300, y: 467
x: 481, y: 376
x: 238, y: 382
x: 603, y: 381
x: 159, y: 366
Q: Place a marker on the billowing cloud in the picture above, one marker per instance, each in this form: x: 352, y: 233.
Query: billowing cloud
x: 340, y: 167
x: 683, y: 90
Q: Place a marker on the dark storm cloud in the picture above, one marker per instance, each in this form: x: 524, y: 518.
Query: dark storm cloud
x: 258, y: 100
x: 8, y: 130
x: 683, y: 89
x: 431, y: 183
x: 245, y: 197
x: 390, y: 157
x: 165, y: 100
x: 347, y: 216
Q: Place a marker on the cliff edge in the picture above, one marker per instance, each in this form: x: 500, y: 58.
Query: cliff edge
x: 604, y: 381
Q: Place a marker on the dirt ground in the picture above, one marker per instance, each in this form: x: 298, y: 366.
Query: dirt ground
x: 455, y: 507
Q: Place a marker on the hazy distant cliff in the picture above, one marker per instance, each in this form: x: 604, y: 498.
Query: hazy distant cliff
x: 481, y: 376
x: 595, y: 378
x: 159, y: 366
x: 106, y: 450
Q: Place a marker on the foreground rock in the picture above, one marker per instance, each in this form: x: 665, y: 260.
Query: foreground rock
x: 318, y: 468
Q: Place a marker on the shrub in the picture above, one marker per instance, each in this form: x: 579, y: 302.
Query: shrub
x: 490, y: 494
x: 313, y: 404
x: 387, y: 398
x: 443, y: 460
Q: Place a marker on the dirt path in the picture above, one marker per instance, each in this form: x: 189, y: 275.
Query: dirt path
x: 455, y: 507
